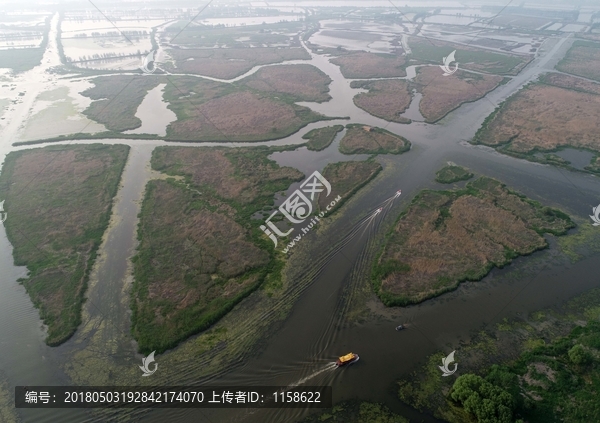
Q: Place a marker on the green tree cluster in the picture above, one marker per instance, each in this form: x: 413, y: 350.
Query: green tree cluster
x: 486, y: 401
x: 578, y: 355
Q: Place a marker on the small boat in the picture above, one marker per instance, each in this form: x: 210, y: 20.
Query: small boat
x: 398, y: 193
x: 347, y: 359
x: 400, y: 327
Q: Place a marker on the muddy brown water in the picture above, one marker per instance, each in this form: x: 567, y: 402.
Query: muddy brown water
x: 315, y: 332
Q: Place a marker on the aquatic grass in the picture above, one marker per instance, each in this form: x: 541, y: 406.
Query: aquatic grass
x: 59, y: 262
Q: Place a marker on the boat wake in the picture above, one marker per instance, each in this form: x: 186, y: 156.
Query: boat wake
x: 329, y: 366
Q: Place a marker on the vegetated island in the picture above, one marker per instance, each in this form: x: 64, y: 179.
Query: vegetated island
x: 201, y: 249
x: 541, y: 118
x: 361, y: 64
x: 443, y: 95
x: 302, y: 82
x: 452, y: 173
x: 364, y: 139
x: 544, y: 368
x: 390, y: 99
x: 354, y: 411
x: 346, y: 178
x: 321, y: 138
x: 387, y: 99
x: 59, y: 202
x: 447, y: 237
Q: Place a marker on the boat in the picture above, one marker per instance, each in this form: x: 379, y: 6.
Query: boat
x: 347, y: 359
x: 400, y: 327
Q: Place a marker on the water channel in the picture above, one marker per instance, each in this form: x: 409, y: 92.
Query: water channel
x: 314, y: 331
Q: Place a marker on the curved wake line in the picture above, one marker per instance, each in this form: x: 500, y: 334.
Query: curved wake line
x: 330, y: 366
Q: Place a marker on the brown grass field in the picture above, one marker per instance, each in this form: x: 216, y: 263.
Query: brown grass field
x: 370, y: 65
x: 59, y: 201
x: 442, y: 94
x: 201, y: 252
x: 385, y: 99
x: 232, y: 174
x: 303, y: 82
x: 571, y: 82
x: 346, y: 178
x: 446, y: 237
x: 219, y: 114
x: 228, y: 63
x: 544, y: 117
x: 362, y: 139
x: 582, y: 59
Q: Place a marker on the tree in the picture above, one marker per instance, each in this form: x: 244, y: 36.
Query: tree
x: 578, y: 355
x: 488, y: 402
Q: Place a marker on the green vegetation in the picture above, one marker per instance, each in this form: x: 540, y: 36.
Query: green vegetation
x: 301, y: 82
x: 206, y: 110
x: 8, y: 412
x: 21, y: 59
x: 206, y: 222
x: 543, y: 369
x: 360, y: 64
x: 362, y: 139
x: 469, y: 58
x: 59, y: 201
x: 452, y: 173
x: 346, y: 178
x: 487, y: 402
x: 357, y: 412
x: 234, y: 37
x: 582, y: 59
x: 386, y: 99
x: 321, y: 138
x: 117, y: 99
x: 24, y: 59
x: 448, y: 237
x: 538, y: 120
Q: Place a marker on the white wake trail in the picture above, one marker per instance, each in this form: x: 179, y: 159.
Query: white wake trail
x: 329, y: 366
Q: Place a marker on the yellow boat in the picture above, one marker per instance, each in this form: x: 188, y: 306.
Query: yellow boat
x: 347, y: 359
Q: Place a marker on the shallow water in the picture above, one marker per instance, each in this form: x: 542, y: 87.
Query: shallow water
x: 154, y: 113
